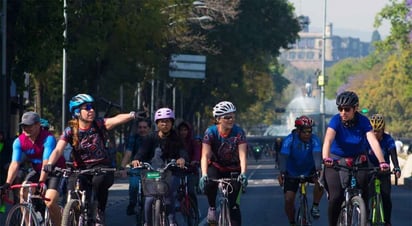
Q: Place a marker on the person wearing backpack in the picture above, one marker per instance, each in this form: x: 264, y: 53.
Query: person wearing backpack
x: 35, y: 145
x: 300, y: 155
x: 88, y: 136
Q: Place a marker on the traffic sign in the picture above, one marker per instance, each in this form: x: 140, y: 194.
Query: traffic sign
x: 187, y: 66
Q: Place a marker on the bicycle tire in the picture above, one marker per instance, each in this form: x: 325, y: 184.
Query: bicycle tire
x: 357, y: 211
x: 140, y: 212
x: 303, y: 217
x: 376, y: 211
x: 190, y: 212
x: 157, y: 213
x: 224, y: 216
x: 17, y: 214
x: 342, y: 216
x: 72, y: 213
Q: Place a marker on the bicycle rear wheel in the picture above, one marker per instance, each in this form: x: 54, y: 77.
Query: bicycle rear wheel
x: 72, y: 213
x: 224, y: 216
x: 303, y: 217
x: 22, y: 215
x: 189, y: 210
x: 357, y: 211
x: 376, y: 211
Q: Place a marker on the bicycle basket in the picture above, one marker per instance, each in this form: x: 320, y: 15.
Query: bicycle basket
x: 156, y: 183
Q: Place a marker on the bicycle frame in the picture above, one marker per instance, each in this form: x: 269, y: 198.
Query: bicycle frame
x: 225, y: 188
x: 188, y: 206
x: 82, y: 200
x: 303, y: 216
x: 159, y: 205
x: 30, y: 215
x: 136, y: 172
x: 352, y: 198
x: 377, y: 216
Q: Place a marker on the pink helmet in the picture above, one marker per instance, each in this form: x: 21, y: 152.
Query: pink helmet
x: 164, y: 113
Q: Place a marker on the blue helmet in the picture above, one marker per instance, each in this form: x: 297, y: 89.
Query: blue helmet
x: 78, y: 100
x: 44, y: 123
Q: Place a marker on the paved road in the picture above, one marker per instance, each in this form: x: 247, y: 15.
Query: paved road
x: 261, y: 205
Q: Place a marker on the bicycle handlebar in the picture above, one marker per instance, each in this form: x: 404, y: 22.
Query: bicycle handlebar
x: 148, y: 166
x: 84, y: 171
x: 24, y: 185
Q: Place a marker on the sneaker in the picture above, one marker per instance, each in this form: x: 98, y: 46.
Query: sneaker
x: 211, y: 215
x: 315, y: 211
x: 130, y: 210
x: 99, y: 218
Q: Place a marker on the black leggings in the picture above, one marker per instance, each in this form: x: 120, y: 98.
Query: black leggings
x: 100, y: 185
x: 336, y: 192
x: 211, y: 193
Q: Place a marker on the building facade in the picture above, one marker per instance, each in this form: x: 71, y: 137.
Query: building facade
x: 306, y: 53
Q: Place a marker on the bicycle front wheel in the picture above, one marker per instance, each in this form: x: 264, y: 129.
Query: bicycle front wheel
x: 357, y: 211
x: 190, y: 212
x: 72, y: 213
x: 303, y: 217
x: 376, y: 211
x: 21, y: 215
x: 224, y: 216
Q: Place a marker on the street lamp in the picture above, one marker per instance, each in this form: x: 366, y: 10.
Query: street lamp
x: 322, y: 87
x: 64, y: 65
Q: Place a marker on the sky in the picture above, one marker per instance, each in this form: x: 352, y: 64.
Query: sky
x: 350, y: 18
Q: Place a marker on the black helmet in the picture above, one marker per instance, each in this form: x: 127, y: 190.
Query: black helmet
x: 347, y: 98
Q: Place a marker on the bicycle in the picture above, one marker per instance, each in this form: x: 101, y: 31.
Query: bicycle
x: 188, y: 205
x: 136, y: 172
x: 225, y: 188
x: 156, y: 184
x: 80, y: 208
x: 353, y: 209
x: 303, y: 217
x: 31, y: 212
x: 376, y: 215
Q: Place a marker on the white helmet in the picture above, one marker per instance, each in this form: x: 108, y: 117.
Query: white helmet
x: 223, y: 108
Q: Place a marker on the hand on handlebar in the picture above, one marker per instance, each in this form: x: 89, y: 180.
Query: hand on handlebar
x: 281, y: 178
x: 136, y: 163
x: 242, y: 179
x: 384, y: 166
x: 202, y: 183
x: 328, y: 162
x: 180, y: 162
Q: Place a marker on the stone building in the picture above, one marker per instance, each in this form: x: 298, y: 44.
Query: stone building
x: 306, y: 53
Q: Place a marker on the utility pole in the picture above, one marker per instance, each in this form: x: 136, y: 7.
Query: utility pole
x: 64, y: 66
x: 4, y: 81
x: 321, y: 79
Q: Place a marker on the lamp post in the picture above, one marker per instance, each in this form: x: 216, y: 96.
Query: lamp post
x: 322, y: 87
x: 4, y: 81
x: 64, y: 65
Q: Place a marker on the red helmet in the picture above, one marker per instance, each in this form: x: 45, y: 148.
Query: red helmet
x: 304, y: 122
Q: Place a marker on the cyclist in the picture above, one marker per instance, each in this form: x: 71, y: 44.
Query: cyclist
x: 88, y: 137
x: 134, y: 142
x: 346, y: 140
x: 387, y: 144
x: 300, y: 155
x: 167, y: 145
x: 35, y: 145
x: 277, y: 146
x: 193, y: 149
x: 224, y: 151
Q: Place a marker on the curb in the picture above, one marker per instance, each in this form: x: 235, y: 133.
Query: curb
x: 407, y: 182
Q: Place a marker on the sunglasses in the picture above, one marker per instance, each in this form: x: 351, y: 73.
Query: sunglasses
x: 228, y: 117
x: 306, y: 131
x: 87, y: 107
x: 346, y: 109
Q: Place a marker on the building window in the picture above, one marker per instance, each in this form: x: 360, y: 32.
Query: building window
x: 310, y: 55
x: 301, y: 55
x: 292, y: 55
